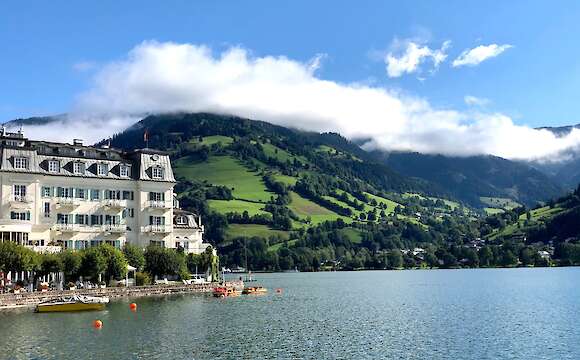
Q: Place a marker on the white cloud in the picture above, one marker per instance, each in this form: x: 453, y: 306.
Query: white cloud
x: 475, y: 101
x: 169, y: 77
x: 473, y: 57
x: 414, y: 54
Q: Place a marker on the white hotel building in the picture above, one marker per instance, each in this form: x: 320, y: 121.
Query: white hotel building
x: 56, y: 195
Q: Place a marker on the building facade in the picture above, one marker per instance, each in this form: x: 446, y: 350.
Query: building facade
x: 69, y: 196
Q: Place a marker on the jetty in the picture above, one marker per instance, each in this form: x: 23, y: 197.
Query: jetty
x: 31, y: 299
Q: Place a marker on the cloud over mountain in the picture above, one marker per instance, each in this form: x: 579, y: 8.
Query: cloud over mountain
x: 169, y: 77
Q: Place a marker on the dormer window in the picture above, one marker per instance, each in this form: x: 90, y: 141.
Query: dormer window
x: 21, y: 163
x: 79, y: 168
x: 124, y: 170
x: 53, y: 166
x: 181, y: 220
x: 102, y: 169
x: 157, y: 172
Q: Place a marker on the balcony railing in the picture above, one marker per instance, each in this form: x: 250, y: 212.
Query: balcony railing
x: 159, y: 204
x: 67, y: 201
x: 115, y: 203
x: 77, y: 228
x: 115, y: 228
x: 157, y: 229
x: 21, y: 201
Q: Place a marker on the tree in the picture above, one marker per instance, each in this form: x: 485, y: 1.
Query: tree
x: 134, y: 256
x: 160, y: 261
x: 395, y: 259
x: 93, y: 263
x: 116, y: 264
x: 50, y: 263
x: 71, y: 264
x: 486, y: 257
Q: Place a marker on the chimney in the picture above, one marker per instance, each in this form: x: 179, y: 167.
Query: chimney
x: 78, y: 142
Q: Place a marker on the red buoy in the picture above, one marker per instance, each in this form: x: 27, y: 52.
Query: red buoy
x: 133, y: 306
x: 279, y: 290
x: 98, y: 324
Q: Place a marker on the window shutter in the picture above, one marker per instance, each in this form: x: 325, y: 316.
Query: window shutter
x: 150, y: 220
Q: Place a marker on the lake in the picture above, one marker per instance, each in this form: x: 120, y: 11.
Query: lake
x: 439, y: 314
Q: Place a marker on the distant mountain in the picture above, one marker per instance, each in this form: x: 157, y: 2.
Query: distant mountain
x: 470, y: 178
x: 32, y: 121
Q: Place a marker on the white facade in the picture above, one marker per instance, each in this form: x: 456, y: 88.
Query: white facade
x: 56, y: 196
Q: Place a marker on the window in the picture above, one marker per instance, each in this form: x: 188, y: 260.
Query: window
x: 102, y: 169
x: 81, y: 219
x: 156, y: 220
x: 112, y: 195
x: 156, y: 196
x: 20, y: 215
x: 128, y: 195
x: 124, y: 170
x: 53, y: 166
x: 80, y: 193
x: 21, y: 163
x: 79, y: 168
x: 157, y: 172
x: 95, y: 194
x: 65, y: 192
x: 96, y: 219
x: 46, y: 191
x: 64, y: 218
x: 46, y: 209
x: 19, y: 192
x: 181, y: 220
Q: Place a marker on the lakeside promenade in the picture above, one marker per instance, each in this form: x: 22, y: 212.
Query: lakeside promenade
x: 31, y: 299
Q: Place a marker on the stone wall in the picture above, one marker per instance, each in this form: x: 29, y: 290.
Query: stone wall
x: 8, y: 301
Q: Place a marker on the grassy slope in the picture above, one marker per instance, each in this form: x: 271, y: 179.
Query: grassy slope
x: 239, y: 206
x: 304, y: 208
x: 226, y: 171
x: 210, y: 140
x: 249, y: 230
x: 500, y: 203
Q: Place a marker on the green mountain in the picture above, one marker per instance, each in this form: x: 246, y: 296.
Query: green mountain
x: 481, y: 181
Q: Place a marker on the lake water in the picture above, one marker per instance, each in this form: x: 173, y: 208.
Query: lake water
x: 441, y: 314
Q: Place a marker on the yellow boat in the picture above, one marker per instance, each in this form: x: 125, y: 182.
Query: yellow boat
x: 254, y: 290
x: 73, y: 303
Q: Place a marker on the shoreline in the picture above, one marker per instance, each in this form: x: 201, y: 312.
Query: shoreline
x: 29, y: 300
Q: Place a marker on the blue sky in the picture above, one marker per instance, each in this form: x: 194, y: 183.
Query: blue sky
x: 52, y: 50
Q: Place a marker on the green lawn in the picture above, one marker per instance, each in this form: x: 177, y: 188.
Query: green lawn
x: 391, y: 205
x: 277, y: 246
x: 250, y: 230
x: 355, y: 235
x: 288, y: 180
x: 499, y: 203
x: 304, y: 208
x: 239, y: 206
x: 210, y: 140
x: 226, y: 171
x: 493, y: 211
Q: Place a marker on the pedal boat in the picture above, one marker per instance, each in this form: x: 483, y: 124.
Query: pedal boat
x: 254, y: 290
x: 222, y: 291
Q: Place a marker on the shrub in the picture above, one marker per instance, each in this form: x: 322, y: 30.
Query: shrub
x: 142, y: 278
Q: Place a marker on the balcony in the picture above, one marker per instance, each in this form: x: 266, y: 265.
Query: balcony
x: 159, y: 204
x: 115, y: 228
x: 157, y: 229
x: 67, y: 202
x: 115, y: 204
x: 68, y: 228
x: 21, y: 201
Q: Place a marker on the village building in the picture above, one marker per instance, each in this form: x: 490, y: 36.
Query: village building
x: 57, y: 196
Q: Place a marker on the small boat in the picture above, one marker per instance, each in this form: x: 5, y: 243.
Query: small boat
x: 223, y: 291
x: 254, y: 290
x: 73, y: 303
